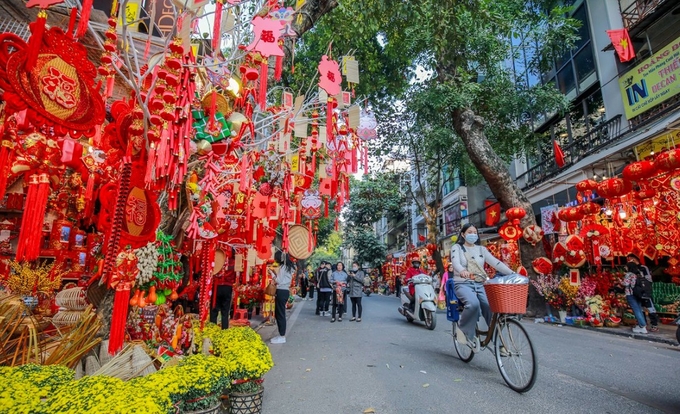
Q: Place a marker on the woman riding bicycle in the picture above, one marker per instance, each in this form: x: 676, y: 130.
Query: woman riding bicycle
x: 468, y: 258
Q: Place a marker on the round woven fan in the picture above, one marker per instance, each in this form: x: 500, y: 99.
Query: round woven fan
x: 300, y: 244
x: 222, y: 104
x: 220, y: 259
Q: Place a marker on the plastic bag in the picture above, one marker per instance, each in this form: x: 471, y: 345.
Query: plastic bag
x: 512, y: 279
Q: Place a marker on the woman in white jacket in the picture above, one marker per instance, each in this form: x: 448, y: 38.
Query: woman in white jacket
x: 468, y: 258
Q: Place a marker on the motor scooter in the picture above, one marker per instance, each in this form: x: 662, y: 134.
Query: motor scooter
x: 367, y: 290
x: 424, y: 306
x: 677, y: 332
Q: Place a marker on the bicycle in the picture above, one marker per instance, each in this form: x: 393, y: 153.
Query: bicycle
x: 512, y: 346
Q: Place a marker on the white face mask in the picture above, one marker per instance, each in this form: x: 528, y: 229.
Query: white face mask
x: 355, y: 268
x: 471, y: 238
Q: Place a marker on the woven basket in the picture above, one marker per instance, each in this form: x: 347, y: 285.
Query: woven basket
x: 629, y: 321
x: 96, y: 293
x: 238, y: 403
x: 71, y: 299
x: 300, y: 243
x: 610, y: 324
x: 507, y: 298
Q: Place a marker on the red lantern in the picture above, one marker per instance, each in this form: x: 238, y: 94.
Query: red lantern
x: 646, y: 193
x: 515, y: 214
x: 590, y: 208
x: 613, y: 187
x: 640, y: 170
x: 570, y: 214
x: 586, y: 185
x: 668, y: 160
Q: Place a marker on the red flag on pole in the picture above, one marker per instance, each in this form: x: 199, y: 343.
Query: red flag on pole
x: 622, y: 44
x: 493, y: 212
x: 421, y: 238
x: 559, y: 154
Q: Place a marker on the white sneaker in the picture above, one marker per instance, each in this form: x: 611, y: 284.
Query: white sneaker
x: 278, y: 340
x: 640, y: 329
x: 460, y: 336
x: 474, y: 345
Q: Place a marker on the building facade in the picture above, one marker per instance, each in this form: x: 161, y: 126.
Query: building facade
x: 620, y: 112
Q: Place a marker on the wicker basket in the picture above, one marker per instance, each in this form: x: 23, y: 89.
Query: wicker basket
x: 629, y: 321
x: 609, y: 324
x: 238, y: 403
x: 507, y: 298
x: 71, y: 299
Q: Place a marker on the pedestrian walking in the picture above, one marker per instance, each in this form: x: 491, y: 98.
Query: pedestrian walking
x: 356, y: 290
x: 339, y: 282
x: 397, y: 285
x: 312, y: 287
x: 283, y: 281
x: 325, y: 289
x: 303, y: 284
x: 638, y: 298
x: 222, y: 294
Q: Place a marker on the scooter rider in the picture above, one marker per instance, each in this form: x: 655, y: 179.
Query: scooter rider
x: 414, y: 270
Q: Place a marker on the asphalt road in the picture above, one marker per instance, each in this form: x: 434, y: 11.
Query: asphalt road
x: 391, y: 366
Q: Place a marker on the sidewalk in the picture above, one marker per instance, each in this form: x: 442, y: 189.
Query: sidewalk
x: 665, y: 334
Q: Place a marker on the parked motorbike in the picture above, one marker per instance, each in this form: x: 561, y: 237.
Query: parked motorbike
x: 677, y: 332
x: 367, y: 291
x: 424, y: 307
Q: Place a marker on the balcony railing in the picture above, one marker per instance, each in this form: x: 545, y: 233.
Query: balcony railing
x: 638, y: 11
x: 582, y: 146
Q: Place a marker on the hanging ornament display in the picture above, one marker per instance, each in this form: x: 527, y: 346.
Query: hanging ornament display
x: 368, y: 125
x: 533, y: 234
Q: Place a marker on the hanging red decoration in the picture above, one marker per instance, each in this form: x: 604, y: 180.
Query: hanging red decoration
x: 515, y: 214
x: 586, y: 185
x: 570, y: 214
x: 542, y: 265
x: 509, y: 232
x: 668, y: 160
x: 590, y: 208
x: 614, y: 187
x: 639, y: 170
x: 533, y: 234
x: 646, y: 193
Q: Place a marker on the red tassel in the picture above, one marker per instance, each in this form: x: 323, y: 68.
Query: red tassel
x: 72, y: 21
x: 35, y: 42
x: 326, y: 201
x: 118, y: 320
x: 30, y: 235
x: 5, y: 154
x: 89, y: 188
x: 262, y: 98
x: 329, y: 120
x: 366, y: 160
x: 278, y: 68
x: 84, y: 18
x: 217, y: 23
x: 212, y: 111
x: 337, y: 227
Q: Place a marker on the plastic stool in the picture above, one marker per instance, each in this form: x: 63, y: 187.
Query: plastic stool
x: 240, y: 318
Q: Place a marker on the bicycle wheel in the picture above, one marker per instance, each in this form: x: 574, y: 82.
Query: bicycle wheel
x: 515, y: 355
x: 464, y: 352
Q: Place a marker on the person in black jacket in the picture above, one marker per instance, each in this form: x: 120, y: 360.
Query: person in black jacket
x: 325, y: 289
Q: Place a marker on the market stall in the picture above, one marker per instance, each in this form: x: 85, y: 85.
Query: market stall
x: 131, y: 179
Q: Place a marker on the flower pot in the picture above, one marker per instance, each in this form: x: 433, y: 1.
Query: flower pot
x: 241, y: 403
x: 210, y: 410
x: 563, y: 316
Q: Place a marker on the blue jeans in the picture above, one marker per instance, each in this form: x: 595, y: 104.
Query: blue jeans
x: 473, y: 297
x: 637, y: 310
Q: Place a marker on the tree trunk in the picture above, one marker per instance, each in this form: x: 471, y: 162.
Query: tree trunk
x: 470, y: 128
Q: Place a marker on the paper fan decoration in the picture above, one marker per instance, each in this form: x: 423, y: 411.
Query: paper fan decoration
x: 300, y: 242
x: 533, y: 234
x: 542, y: 265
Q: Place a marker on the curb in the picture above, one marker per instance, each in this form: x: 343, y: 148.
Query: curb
x: 611, y: 331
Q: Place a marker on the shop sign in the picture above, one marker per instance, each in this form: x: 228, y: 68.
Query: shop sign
x: 653, y: 81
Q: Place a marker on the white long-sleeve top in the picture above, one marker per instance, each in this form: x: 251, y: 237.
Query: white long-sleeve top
x: 481, y: 255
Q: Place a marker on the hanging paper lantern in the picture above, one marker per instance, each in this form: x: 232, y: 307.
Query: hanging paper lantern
x: 646, y: 193
x: 668, y: 160
x: 515, y: 214
x: 533, y: 234
x: 570, y: 214
x: 509, y: 232
x: 613, y: 187
x: 367, y: 126
x: 639, y: 170
x: 590, y: 208
x: 586, y: 185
